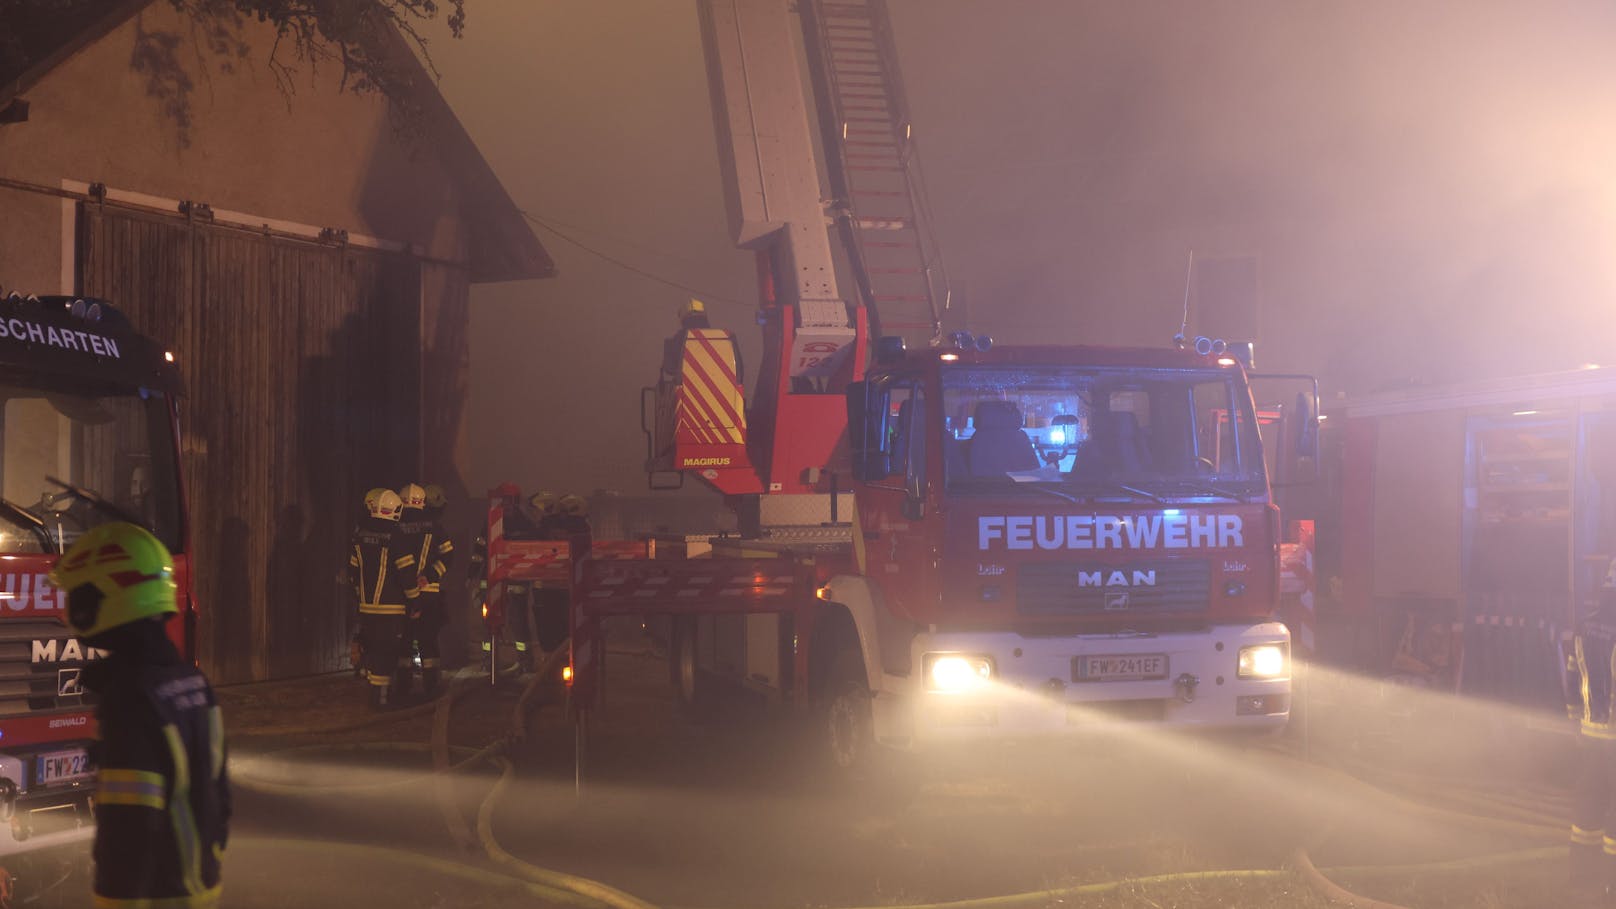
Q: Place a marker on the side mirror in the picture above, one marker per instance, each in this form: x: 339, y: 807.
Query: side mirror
x: 864, y: 435
x: 1293, y: 443
x: 1305, y: 444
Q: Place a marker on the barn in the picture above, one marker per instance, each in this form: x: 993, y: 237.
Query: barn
x: 307, y: 254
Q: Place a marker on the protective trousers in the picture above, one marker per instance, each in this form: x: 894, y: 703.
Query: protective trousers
x: 1593, y: 815
x: 426, y: 620
x: 383, y: 633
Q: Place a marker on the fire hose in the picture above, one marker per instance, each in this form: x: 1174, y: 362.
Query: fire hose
x: 1466, y: 808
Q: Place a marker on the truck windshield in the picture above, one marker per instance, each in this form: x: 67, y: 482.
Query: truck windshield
x: 1100, y: 431
x: 116, y: 441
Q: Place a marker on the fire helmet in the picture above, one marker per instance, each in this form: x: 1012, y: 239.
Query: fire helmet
x: 544, y: 502
x: 435, y: 497
x: 414, y: 495
x: 115, y: 574
x: 383, y: 503
x: 574, y: 505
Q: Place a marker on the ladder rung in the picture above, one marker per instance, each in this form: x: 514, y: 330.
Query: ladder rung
x: 861, y: 144
x: 894, y: 271
x: 873, y: 169
x: 881, y: 223
x: 891, y: 193
x: 901, y: 298
x: 867, y: 108
x: 888, y: 244
x: 862, y: 96
x: 868, y: 119
x: 861, y: 156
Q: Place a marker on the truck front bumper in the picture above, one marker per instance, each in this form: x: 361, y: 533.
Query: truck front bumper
x: 1042, y: 687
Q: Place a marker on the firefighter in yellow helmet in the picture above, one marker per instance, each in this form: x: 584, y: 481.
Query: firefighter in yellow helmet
x: 1591, y: 701
x: 382, y: 570
x: 162, y: 801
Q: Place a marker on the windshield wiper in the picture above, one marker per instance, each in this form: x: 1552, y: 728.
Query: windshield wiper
x: 1120, y: 487
x: 22, y: 517
x: 1215, y: 489
x: 96, y: 501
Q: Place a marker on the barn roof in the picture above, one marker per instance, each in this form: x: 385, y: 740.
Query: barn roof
x: 37, y: 37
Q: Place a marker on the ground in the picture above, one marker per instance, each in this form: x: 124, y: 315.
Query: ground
x: 1398, y: 794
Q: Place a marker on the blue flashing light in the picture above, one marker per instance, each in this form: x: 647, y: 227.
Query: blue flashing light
x: 1057, y: 436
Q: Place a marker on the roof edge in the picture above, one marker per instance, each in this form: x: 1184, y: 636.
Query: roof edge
x: 121, y: 12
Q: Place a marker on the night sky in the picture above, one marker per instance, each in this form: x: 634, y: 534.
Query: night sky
x: 1430, y: 190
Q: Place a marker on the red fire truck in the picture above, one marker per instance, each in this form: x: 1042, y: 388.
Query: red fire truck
x: 940, y: 538
x: 88, y: 434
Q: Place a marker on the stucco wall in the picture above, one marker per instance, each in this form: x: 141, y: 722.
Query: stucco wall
x: 318, y: 155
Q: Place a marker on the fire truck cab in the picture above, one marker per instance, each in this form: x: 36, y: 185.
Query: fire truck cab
x: 88, y: 435
x: 1047, y: 536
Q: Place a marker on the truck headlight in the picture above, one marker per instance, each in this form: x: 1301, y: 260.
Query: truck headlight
x: 957, y: 672
x: 1264, y: 661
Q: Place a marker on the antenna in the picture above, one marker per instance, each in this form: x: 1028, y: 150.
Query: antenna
x: 1189, y: 272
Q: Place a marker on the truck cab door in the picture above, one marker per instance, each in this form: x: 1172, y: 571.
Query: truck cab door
x: 894, y: 519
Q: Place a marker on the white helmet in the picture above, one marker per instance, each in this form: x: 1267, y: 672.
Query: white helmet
x: 414, y: 495
x: 383, y: 503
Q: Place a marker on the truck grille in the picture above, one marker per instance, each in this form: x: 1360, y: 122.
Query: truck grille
x: 25, y: 686
x: 1148, y: 588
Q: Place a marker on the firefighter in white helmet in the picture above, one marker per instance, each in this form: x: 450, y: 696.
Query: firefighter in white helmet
x: 382, y: 570
x: 1591, y: 701
x: 162, y: 798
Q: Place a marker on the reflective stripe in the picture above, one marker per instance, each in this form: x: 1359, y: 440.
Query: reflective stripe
x: 1586, y: 837
x: 379, y: 680
x: 179, y: 814
x: 381, y: 577
x: 1598, y: 730
x: 429, y: 662
x: 381, y: 609
x: 440, y: 568
x: 1610, y: 846
x: 447, y: 546
x: 139, y: 788
x: 216, y: 740
x: 206, y: 899
x: 412, y: 593
x: 431, y: 587
x: 404, y: 561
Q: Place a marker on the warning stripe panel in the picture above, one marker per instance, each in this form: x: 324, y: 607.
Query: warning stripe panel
x: 691, y: 586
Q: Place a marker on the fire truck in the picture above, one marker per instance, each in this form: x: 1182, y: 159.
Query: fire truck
x: 88, y: 435
x: 940, y: 539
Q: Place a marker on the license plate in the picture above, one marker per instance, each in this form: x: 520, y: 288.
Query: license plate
x: 1130, y: 667
x: 63, y: 766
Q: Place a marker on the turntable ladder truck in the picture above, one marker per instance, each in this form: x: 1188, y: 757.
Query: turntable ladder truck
x: 940, y: 540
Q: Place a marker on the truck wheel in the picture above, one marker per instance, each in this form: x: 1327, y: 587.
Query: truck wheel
x: 690, y: 690
x: 846, y: 723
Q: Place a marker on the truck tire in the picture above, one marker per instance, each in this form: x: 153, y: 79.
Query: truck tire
x: 691, y: 689
x: 846, y: 723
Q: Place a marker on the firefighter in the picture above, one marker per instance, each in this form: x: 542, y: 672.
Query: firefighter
x: 423, y: 507
x: 1591, y: 668
x: 162, y: 800
x: 382, y: 570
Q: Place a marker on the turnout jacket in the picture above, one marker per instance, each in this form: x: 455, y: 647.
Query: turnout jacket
x: 1591, y: 669
x: 162, y: 801
x: 431, y: 547
x: 382, y: 567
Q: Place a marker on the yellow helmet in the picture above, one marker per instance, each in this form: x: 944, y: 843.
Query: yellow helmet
x: 435, y: 497
x: 414, y: 495
x: 383, y: 503
x: 544, y: 501
x: 115, y: 574
x: 574, y: 505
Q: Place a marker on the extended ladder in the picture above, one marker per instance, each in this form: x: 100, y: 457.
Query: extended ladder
x: 879, y: 192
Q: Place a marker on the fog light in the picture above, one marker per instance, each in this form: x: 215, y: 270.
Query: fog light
x: 1264, y: 661
x: 955, y: 672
